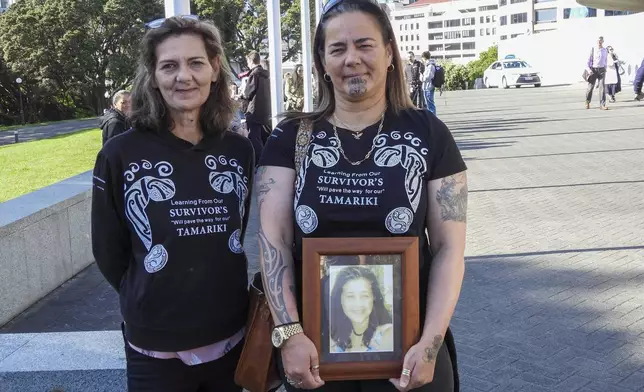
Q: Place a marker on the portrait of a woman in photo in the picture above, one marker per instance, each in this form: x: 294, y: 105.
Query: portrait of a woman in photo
x: 359, y: 320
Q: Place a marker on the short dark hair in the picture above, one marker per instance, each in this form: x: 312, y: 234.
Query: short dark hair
x: 411, y: 53
x: 253, y: 57
x: 426, y: 55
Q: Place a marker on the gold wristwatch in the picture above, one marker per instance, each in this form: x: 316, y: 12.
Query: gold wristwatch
x: 283, y: 332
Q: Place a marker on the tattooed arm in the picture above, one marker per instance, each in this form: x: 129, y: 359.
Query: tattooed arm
x: 447, y: 216
x: 275, y: 189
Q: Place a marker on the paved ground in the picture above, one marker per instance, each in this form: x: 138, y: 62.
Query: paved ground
x: 552, y: 298
x: 46, y: 131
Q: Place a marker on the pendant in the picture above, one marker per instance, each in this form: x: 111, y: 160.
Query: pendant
x: 357, y: 135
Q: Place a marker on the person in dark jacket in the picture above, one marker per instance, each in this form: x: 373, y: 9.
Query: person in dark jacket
x: 257, y: 99
x: 115, y: 121
x: 170, y: 208
x: 637, y: 83
x: 414, y: 69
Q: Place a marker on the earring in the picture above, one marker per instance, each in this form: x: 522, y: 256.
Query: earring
x: 325, y: 76
x: 391, y: 67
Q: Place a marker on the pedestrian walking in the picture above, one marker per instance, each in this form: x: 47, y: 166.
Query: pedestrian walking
x: 428, y: 81
x: 596, y: 71
x: 613, y: 78
x: 365, y: 127
x: 170, y: 208
x: 638, y: 81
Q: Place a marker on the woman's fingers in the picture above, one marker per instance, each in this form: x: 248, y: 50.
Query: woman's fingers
x: 315, y: 370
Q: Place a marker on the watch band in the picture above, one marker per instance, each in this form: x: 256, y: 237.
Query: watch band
x: 291, y: 330
x: 286, y: 324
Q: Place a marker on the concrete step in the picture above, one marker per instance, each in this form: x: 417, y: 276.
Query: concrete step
x: 92, y: 361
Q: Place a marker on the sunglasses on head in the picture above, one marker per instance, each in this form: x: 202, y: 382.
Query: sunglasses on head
x: 155, y: 24
x: 329, y: 5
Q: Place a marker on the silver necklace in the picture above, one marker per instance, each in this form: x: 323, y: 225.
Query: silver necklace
x: 356, y: 134
x: 373, y: 145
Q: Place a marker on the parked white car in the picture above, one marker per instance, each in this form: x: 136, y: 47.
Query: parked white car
x: 512, y: 72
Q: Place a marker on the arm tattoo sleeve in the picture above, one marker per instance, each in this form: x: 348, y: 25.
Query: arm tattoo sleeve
x: 274, y: 269
x: 453, y: 202
x: 263, y: 186
x: 432, y: 352
x: 273, y: 265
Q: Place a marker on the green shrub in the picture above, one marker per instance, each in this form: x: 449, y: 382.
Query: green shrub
x: 459, y: 77
x: 456, y: 76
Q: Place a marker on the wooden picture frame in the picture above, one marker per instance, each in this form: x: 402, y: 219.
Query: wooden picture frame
x: 394, y: 260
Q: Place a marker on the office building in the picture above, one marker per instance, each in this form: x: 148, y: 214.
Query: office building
x: 453, y: 30
x: 525, y: 17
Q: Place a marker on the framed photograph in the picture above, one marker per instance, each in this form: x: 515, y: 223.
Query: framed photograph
x: 361, y: 304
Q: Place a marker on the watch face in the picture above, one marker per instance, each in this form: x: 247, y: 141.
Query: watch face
x: 276, y: 337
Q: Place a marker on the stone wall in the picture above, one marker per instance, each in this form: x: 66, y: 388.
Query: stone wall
x: 44, y: 241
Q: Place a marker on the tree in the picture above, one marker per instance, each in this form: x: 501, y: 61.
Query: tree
x: 476, y: 68
x: 71, y: 48
x: 244, y: 26
x: 225, y: 14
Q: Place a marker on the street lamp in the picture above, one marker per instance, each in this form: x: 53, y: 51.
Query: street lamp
x: 22, y: 112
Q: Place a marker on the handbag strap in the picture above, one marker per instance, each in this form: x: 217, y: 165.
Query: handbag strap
x: 302, y: 140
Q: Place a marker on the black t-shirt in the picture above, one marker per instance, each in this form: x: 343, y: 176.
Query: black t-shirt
x: 384, y: 196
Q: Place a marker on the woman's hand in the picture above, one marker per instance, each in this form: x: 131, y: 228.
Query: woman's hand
x: 301, y: 362
x: 419, y: 364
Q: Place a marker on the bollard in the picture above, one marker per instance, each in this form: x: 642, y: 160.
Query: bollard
x: 15, y: 137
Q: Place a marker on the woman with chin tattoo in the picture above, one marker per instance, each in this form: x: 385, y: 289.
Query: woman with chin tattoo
x: 411, y: 181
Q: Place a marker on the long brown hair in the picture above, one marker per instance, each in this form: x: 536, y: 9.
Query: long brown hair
x: 149, y: 110
x: 397, y: 96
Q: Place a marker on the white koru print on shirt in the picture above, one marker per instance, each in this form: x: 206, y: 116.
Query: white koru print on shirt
x: 234, y: 242
x: 228, y: 181
x: 410, y: 156
x: 320, y: 156
x: 140, y: 189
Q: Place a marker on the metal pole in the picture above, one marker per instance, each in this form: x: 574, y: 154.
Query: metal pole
x: 22, y: 111
x: 318, y: 11
x: 306, y: 56
x: 177, y: 7
x: 275, y: 58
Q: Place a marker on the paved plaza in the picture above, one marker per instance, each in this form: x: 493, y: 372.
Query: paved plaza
x: 36, y: 132
x: 553, y: 296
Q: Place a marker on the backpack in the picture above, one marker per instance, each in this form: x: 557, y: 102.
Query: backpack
x: 439, y: 76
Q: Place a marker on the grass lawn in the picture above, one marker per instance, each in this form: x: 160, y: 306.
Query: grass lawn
x: 25, y: 167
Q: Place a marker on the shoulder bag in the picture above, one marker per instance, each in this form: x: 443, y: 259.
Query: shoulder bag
x: 256, y: 370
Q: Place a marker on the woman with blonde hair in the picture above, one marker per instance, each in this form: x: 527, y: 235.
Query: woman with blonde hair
x: 294, y: 89
x: 169, y: 211
x: 365, y: 163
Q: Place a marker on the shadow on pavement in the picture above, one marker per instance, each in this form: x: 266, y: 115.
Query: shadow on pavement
x: 480, y: 144
x: 536, y: 319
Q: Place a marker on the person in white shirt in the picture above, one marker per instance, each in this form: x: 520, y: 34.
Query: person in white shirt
x: 427, y: 78
x: 596, y: 67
